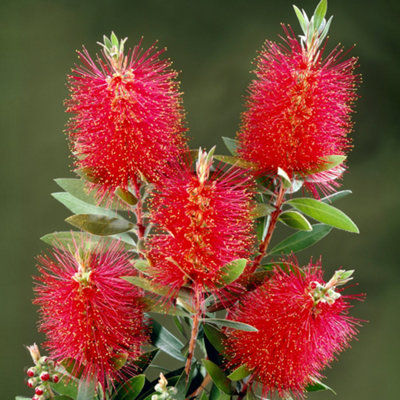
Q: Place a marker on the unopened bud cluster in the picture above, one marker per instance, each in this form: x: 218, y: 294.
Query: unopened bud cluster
x: 163, y: 391
x: 41, y: 374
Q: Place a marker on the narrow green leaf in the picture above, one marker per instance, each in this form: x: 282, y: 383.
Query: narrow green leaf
x: 336, y: 196
x: 100, y: 225
x: 141, y: 265
x: 231, y: 324
x: 317, y: 386
x: 148, y: 285
x: 204, y: 395
x: 301, y: 240
x: 218, y: 376
x: 301, y: 19
x: 145, y: 359
x: 239, y: 373
x: 215, y: 336
x: 232, y: 271
x: 166, y: 341
x: 250, y: 395
x: 67, y: 240
x: 77, y: 188
x: 329, y: 163
x: 157, y: 307
x: 86, y: 390
x: 216, y: 394
x: 320, y: 12
x: 295, y: 220
x: 324, y: 213
x: 238, y: 162
x: 285, y: 266
x: 126, y: 196
x: 261, y: 210
x: 80, y: 207
x: 132, y: 388
x: 231, y: 144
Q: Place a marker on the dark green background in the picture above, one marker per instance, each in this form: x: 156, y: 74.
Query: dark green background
x: 213, y: 43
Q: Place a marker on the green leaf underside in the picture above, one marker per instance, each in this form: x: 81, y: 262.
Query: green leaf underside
x: 324, y: 213
x: 78, y: 189
x: 86, y: 390
x: 67, y: 240
x: 166, y: 341
x: 231, y: 144
x: 230, y: 324
x: 100, y: 225
x: 215, y: 336
x: 295, y: 220
x: 336, y: 196
x: 261, y: 210
x: 232, y: 271
x: 147, y: 285
x: 132, y: 388
x: 80, y: 207
x: 218, y: 376
x: 239, y: 373
x: 301, y: 240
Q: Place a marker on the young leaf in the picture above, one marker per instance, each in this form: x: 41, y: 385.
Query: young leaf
x: 301, y: 19
x: 295, y: 220
x: 100, y: 225
x: 301, y: 240
x: 166, y: 341
x: 287, y: 183
x: 218, y: 376
x: 239, y: 373
x: 324, y: 213
x: 335, y: 196
x: 231, y: 324
x: 319, y: 13
x: 231, y: 271
x: 231, y: 144
x: 131, y: 388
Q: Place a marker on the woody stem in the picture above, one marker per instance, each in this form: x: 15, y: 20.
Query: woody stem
x: 262, y: 251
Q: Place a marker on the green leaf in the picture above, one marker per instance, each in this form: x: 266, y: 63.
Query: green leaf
x: 287, y: 182
x: 231, y: 144
x: 22, y: 398
x: 204, y: 396
x: 158, y: 307
x: 317, y: 386
x: 216, y: 394
x: 231, y: 324
x: 147, y: 285
x: 319, y: 13
x: 301, y: 19
x: 126, y: 196
x: 239, y: 373
x: 295, y: 220
x: 301, y: 240
x: 100, y: 225
x: 336, y: 196
x: 68, y: 239
x: 80, y: 207
x: 285, y: 266
x: 141, y: 265
x: 215, y: 336
x: 236, y: 161
x: 145, y: 359
x: 78, y: 189
x: 86, y: 390
x: 218, y: 376
x: 166, y: 341
x: 232, y: 271
x: 329, y: 162
x: 68, y: 387
x: 324, y: 213
x: 261, y: 210
x: 132, y: 388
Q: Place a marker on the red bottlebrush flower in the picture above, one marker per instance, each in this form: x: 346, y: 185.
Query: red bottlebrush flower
x: 88, y: 312
x: 298, y: 112
x: 203, y: 223
x: 128, y: 117
x: 302, y: 324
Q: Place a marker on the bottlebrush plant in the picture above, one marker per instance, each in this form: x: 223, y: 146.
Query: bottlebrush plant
x: 183, y: 234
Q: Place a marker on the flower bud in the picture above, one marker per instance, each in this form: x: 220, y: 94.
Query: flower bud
x: 40, y: 390
x: 32, y: 382
x: 45, y: 376
x: 55, y: 378
x: 31, y: 372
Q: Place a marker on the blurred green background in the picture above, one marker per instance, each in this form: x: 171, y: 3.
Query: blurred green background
x: 213, y: 44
